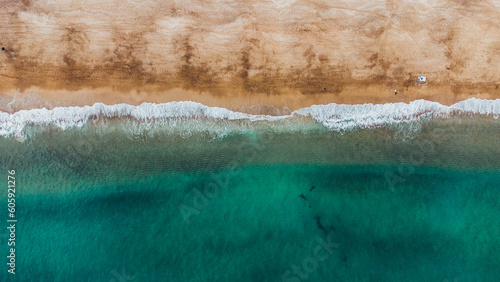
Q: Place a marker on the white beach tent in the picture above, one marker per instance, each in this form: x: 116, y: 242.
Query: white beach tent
x: 422, y: 79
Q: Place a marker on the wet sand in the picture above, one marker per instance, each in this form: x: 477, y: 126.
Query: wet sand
x: 286, y: 54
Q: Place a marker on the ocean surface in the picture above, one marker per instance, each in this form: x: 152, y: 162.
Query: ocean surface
x: 184, y: 192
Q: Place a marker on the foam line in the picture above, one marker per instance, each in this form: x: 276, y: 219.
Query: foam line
x: 334, y: 116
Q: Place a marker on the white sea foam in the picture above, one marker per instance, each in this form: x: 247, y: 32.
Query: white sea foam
x: 479, y: 106
x: 337, y: 117
x: 347, y: 117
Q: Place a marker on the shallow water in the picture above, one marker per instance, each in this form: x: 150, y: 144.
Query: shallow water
x: 407, y: 202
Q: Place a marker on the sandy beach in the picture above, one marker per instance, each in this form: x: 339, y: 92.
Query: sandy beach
x: 245, y: 54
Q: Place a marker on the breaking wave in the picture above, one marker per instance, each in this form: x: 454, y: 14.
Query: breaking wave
x: 335, y: 117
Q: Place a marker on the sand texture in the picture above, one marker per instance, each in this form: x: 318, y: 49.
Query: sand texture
x: 237, y: 54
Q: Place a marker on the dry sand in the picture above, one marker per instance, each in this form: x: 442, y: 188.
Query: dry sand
x: 236, y: 54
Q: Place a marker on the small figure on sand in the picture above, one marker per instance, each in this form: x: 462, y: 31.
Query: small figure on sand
x: 395, y: 92
x: 3, y: 49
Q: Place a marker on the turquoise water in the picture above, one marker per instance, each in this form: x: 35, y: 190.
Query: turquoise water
x: 291, y: 202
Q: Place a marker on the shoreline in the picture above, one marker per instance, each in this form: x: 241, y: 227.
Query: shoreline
x: 336, y: 117
x: 253, y: 103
